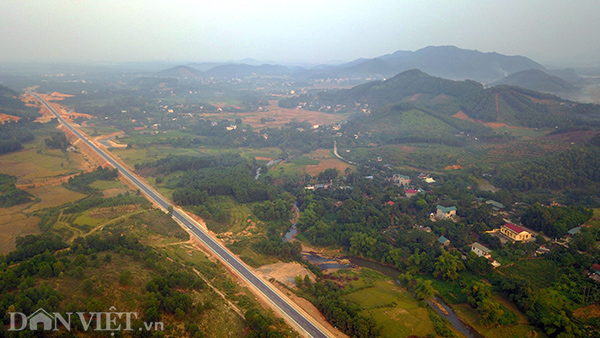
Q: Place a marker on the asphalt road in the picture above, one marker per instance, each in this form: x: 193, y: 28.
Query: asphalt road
x: 234, y: 263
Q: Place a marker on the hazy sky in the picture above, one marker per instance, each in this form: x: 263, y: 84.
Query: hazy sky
x: 548, y: 31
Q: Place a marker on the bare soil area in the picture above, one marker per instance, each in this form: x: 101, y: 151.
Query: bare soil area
x: 6, y: 117
x: 281, y: 116
x: 285, y: 273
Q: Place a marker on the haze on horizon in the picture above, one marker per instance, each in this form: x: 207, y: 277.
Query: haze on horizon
x: 552, y: 32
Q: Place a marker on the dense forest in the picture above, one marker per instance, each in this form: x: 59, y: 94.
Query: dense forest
x: 14, y: 133
x: 9, y: 194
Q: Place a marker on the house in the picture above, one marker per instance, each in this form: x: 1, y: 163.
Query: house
x: 496, y: 206
x: 481, y: 250
x: 423, y: 228
x: 514, y: 232
x: 401, y: 180
x: 444, y: 241
x: 443, y: 212
x: 596, y: 269
x: 410, y: 192
x: 390, y: 203
x: 542, y: 250
x: 429, y: 180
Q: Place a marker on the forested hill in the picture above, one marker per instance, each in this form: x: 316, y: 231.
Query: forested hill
x: 11, y: 105
x: 412, y: 85
x: 536, y: 79
x: 16, y: 121
x: 511, y: 105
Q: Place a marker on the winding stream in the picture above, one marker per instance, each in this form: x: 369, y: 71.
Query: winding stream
x: 270, y: 163
x: 327, y: 263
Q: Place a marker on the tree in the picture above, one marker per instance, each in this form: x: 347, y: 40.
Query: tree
x: 45, y: 270
x: 476, y: 293
x: 447, y: 266
x: 362, y: 245
x: 423, y: 289
x: 490, y: 312
x: 125, y: 278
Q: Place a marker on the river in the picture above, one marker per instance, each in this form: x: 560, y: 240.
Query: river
x: 270, y: 163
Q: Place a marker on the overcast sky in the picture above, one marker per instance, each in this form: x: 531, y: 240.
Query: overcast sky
x: 557, y: 32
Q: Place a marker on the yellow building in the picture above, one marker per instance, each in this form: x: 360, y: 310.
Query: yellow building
x: 514, y: 232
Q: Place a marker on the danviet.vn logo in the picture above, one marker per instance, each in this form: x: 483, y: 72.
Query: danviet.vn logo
x: 111, y: 320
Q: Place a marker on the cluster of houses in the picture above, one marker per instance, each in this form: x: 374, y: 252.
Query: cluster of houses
x: 318, y: 186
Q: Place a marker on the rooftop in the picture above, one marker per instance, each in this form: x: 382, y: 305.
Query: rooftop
x: 481, y: 247
x: 514, y: 228
x: 446, y: 209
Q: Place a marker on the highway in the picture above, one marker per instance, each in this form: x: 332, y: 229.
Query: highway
x: 303, y: 323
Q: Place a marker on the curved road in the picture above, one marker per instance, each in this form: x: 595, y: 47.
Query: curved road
x: 234, y: 263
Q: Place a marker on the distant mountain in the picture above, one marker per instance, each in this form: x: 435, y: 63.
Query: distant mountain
x: 242, y: 70
x: 537, y: 80
x: 180, y: 71
x: 444, y: 61
x: 204, y: 66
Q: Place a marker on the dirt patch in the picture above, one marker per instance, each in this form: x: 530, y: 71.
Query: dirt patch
x: 326, y: 164
x: 7, y: 118
x: 591, y: 311
x: 461, y: 115
x: 496, y: 125
x: 260, y: 158
x: 281, y: 116
x: 540, y: 101
x: 284, y: 273
x: 454, y: 167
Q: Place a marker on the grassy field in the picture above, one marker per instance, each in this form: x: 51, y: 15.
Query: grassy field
x: 138, y: 139
x: 13, y: 223
x: 99, y: 130
x: 35, y: 163
x: 390, y: 305
x: 541, y: 273
x: 312, y: 164
x: 471, y: 317
x: 52, y: 196
x: 413, y: 122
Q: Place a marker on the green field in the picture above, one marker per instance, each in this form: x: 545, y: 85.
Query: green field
x: 303, y: 160
x: 413, y: 122
x: 471, y: 317
x: 541, y: 273
x: 99, y: 130
x: 390, y: 305
x: 138, y: 139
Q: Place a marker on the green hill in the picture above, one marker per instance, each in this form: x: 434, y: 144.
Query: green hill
x: 412, y: 85
x: 444, y: 98
x: 538, y: 80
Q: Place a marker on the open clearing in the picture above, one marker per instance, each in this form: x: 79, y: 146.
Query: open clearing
x: 285, y: 273
x: 281, y: 116
x: 312, y: 164
x: 13, y: 223
x: 390, y: 305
